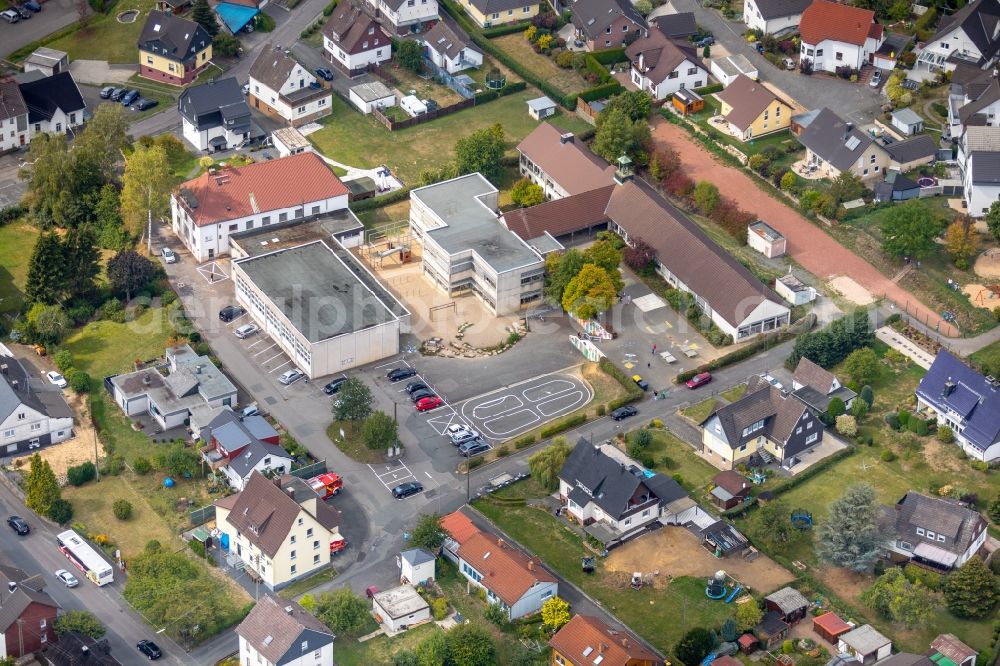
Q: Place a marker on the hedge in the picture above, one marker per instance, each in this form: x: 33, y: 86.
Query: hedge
x: 490, y: 95
x: 563, y: 425
x: 600, y: 92
x: 501, y: 30
x: 708, y: 90
x: 609, y: 56
x: 28, y: 49
x: 384, y: 200
x: 633, y: 392
x: 596, y: 68
x: 12, y: 212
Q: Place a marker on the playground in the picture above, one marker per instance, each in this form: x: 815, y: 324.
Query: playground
x: 987, y: 293
x: 676, y: 552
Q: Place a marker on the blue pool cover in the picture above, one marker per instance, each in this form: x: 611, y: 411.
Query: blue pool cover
x: 236, y: 17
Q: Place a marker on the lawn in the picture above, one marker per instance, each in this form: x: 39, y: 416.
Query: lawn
x: 698, y: 412
x: 105, y: 348
x: 397, y: 212
x: 519, y: 49
x: 675, y: 457
x: 356, y: 140
x: 781, y: 140
x: 107, y: 39
x: 16, y: 241
x: 735, y: 393
x: 987, y: 357
x: 351, y: 443
x: 379, y: 651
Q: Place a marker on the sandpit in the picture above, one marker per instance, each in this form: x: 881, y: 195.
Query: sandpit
x: 851, y: 290
x: 981, y: 296
x: 988, y: 264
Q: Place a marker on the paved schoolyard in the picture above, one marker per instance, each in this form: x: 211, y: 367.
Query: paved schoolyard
x: 810, y: 246
x: 510, y: 411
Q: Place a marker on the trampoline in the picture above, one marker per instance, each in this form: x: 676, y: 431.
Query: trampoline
x: 926, y: 181
x: 715, y: 589
x: 802, y: 519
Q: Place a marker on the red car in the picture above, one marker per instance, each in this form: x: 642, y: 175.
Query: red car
x: 429, y: 403
x: 699, y: 380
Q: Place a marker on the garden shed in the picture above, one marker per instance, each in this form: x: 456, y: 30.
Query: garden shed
x: 830, y: 627
x: 789, y: 603
x: 688, y: 101
x: 907, y: 121
x: 541, y: 108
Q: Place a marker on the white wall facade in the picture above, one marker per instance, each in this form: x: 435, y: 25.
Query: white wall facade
x: 200, y: 138
x: 830, y: 54
x: 752, y: 17
x: 978, y: 196
x: 60, y: 123
x: 409, y: 12
x: 372, y: 56
x: 954, y: 421
x: 530, y: 602
x: 26, y: 425
x: 686, y: 75
x: 14, y: 133
x: 299, y: 79
x: 466, y: 59
x: 278, y: 463
x: 533, y: 172
x: 939, y: 49
x: 321, y: 657
x: 366, y: 107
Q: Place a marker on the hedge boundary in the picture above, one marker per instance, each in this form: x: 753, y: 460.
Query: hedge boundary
x: 509, y: 89
x: 633, y: 392
x: 709, y: 89
x: 384, y: 200
x: 501, y: 30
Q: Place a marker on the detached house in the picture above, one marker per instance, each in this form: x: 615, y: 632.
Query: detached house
x: 54, y: 104
x: 979, y: 162
x: 973, y: 99
x: 661, y: 66
x: 281, y: 529
x: 215, y: 115
x: 605, y: 24
x: 965, y: 401
x: 935, y: 532
x: 816, y: 387
x: 836, y: 35
x: 752, y: 110
x: 405, y: 16
x: 32, y: 415
x: 27, y: 614
x: 241, y: 446
x: 281, y: 87
x: 767, y: 422
x: 834, y: 146
x: 14, y: 131
x: 173, y: 49
x: 353, y: 40
x: 772, y: 17
x: 491, y: 13
x: 970, y: 35
x: 450, y: 48
x: 279, y: 632
x: 586, y: 640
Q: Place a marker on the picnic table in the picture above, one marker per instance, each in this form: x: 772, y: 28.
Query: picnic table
x: 690, y: 353
x: 668, y: 357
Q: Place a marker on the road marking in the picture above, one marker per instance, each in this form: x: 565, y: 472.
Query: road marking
x: 398, y: 474
x: 429, y: 475
x: 275, y: 369
x: 263, y: 339
x: 273, y: 345
x: 278, y: 355
x: 236, y: 319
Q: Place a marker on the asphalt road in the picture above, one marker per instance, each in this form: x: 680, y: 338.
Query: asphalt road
x: 55, y: 14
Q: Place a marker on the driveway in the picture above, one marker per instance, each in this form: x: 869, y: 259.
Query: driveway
x: 810, y: 246
x: 11, y: 187
x: 55, y: 14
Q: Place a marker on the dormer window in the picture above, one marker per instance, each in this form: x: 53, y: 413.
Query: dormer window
x: 371, y: 31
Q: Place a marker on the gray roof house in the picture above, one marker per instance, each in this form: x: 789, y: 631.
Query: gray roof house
x: 965, y: 401
x: 816, y: 387
x: 281, y: 632
x: 912, y: 152
x: 865, y: 644
x: 32, y: 413
x: 789, y: 603
x: 833, y: 145
x: 681, y: 24
x: 773, y: 16
x: 970, y: 35
x: 215, y: 115
x: 238, y: 446
x: 607, y: 23
x: 935, y: 532
x: 450, y: 48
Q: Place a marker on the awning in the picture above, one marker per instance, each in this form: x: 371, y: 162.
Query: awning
x: 217, y: 142
x: 235, y: 17
x: 934, y: 554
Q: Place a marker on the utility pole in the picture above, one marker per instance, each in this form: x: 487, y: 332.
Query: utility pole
x: 149, y: 231
x: 97, y: 461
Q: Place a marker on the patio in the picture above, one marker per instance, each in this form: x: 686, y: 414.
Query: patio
x: 806, y: 168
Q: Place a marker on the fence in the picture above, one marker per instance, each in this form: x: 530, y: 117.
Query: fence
x: 423, y: 117
x: 202, y: 515
x: 444, y: 77
x: 382, y: 73
x: 311, y: 470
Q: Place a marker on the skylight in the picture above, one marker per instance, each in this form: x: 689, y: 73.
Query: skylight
x: 599, y: 659
x: 588, y: 651
x: 852, y: 143
x: 267, y: 641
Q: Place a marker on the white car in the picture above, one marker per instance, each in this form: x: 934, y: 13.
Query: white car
x: 68, y: 579
x: 56, y: 379
x: 291, y: 376
x: 246, y: 330
x: 168, y: 255
x: 773, y: 382
x: 461, y: 434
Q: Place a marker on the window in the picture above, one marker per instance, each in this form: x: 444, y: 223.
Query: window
x: 170, y: 67
x: 673, y: 75
x: 300, y: 522
x: 266, y: 220
x: 692, y: 71
x: 315, y: 545
x: 149, y: 60
x: 812, y: 438
x: 496, y: 15
x: 36, y: 426
x: 920, y: 531
x: 765, y: 114
x: 282, y: 217
x: 628, y: 521
x: 8, y: 433
x: 819, y: 52
x: 777, y: 112
x: 876, y: 168
x: 906, y: 545
x: 42, y: 624
x: 699, y: 83
x: 607, y: 42
x: 20, y: 416
x: 625, y: 28
x: 873, y: 158
x: 944, y: 45
x: 559, y: 659
x: 410, y: 3
x: 234, y: 227
x: 526, y: 10
x: 315, y: 559
x: 293, y: 538
x: 315, y: 210
x: 930, y: 535
x: 309, y: 533
x: 809, y: 52
x: 753, y: 427
x: 809, y: 425
x: 798, y: 431
x: 292, y: 556
x: 510, y: 12
x: 292, y: 569
x: 940, y: 537
x: 866, y: 172
x: 839, y: 56
x: 645, y: 513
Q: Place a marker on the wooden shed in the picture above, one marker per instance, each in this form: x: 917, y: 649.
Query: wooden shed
x: 687, y: 101
x: 830, y: 627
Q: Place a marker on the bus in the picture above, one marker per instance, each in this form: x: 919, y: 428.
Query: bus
x: 86, y: 559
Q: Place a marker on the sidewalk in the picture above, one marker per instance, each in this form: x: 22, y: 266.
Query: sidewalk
x: 905, y: 346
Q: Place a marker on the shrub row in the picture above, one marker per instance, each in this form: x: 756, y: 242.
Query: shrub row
x: 609, y: 56
x: 525, y: 442
x: 709, y: 89
x: 562, y: 426
x: 600, y: 92
x: 501, y: 30
x: 329, y: 8
x: 490, y: 95
x: 596, y: 68
x: 11, y: 213
x: 743, y: 353
x: 633, y: 392
x: 384, y: 200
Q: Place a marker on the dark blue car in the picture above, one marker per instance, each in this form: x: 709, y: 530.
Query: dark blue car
x: 33, y: 6
x: 130, y: 97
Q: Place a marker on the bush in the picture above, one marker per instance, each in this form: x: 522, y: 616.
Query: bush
x: 917, y: 426
x: 61, y: 511
x: 929, y: 579
x: 81, y: 474
x: 847, y: 425
x: 887, y: 455
x: 503, y: 451
x: 945, y: 435
x: 79, y: 381
x: 980, y: 465
x: 474, y: 463
x: 601, y: 410
x: 198, y: 547
x: 892, y: 420
x: 142, y: 466
x: 63, y: 360
x: 439, y: 608
x: 560, y: 426
x: 525, y: 442
x: 122, y: 509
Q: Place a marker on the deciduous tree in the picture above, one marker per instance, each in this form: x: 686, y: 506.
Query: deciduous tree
x: 80, y: 621
x: 639, y: 255
x: 177, y: 459
x: 409, y: 55
x: 433, y: 650
x: 846, y: 186
x: 993, y: 220
x: 695, y: 645
x: 897, y: 599
x: 545, y: 464
x: 526, y: 193
x: 470, y: 645
x: 971, y: 592
x: 850, y: 536
x: 481, y: 151
x: 128, y: 271
x: 354, y: 401
x: 559, y: 270
x: 47, y: 323
x: 636, y: 104
x: 555, y: 613
x: 428, y: 533
x: 962, y: 242
x: 748, y: 615
x: 98, y: 148
x: 909, y: 230
x: 51, y: 195
x: 146, y: 187
x: 591, y: 292
x: 617, y: 134
x: 706, y: 197
x: 225, y: 44
x: 379, y: 431
x: 862, y: 365
x: 343, y: 611
x: 775, y: 520
x: 603, y: 253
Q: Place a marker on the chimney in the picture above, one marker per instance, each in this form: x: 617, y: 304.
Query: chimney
x: 603, y: 647
x: 291, y: 494
x: 949, y: 387
x: 566, y: 138
x: 531, y: 565
x: 500, y: 541
x: 197, y: 369
x: 625, y: 643
x: 276, y: 481
x: 145, y: 379
x: 848, y: 128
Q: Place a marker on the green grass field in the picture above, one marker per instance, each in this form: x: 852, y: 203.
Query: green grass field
x: 16, y: 241
x: 674, y: 456
x: 987, y: 357
x: 105, y: 38
x: 700, y: 411
x: 518, y: 48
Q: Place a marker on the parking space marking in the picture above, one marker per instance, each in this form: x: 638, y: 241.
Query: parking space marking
x: 236, y: 319
x: 279, y: 354
x: 263, y: 339
x: 281, y: 366
x: 392, y: 476
x: 212, y: 272
x: 273, y: 345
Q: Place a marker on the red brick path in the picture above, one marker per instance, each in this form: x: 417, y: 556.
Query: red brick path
x: 809, y: 245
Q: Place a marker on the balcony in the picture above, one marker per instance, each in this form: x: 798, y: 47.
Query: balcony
x: 212, y: 456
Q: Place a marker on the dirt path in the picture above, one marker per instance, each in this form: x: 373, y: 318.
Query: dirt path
x: 809, y: 245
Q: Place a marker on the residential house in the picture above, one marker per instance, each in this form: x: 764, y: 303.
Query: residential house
x: 560, y: 164
x: 281, y: 529
x: 491, y: 13
x: 949, y: 647
x: 450, y: 48
x: 965, y: 401
x: 27, y: 614
x: 865, y: 644
x: 767, y: 240
x: 353, y: 40
x: 517, y: 582
x: 586, y: 640
x: 773, y: 17
x: 373, y: 95
x: 971, y: 35
x: 830, y: 627
x: 834, y: 146
x: 280, y: 632
x: 47, y: 61
x: 679, y: 25
x: 752, y: 110
x: 193, y: 384
x: 280, y: 87
x: 728, y: 68
x: 32, y: 415
x: 789, y: 603
x: 910, y: 153
x: 207, y: 209
x: 837, y: 35
x: 240, y: 446
x: 937, y: 533
x: 458, y: 528
x: 661, y: 66
x: 765, y: 421
x: 72, y: 648
x: 260, y: 457
x: 816, y: 387
x: 729, y: 489
x: 416, y: 566
x: 400, y: 608
x: 54, y: 104
x: 14, y: 132
x: 907, y: 121
x: 973, y: 99
x: 173, y: 49
x: 215, y: 115
x: 979, y: 162
x: 404, y: 17
x: 605, y: 24
x: 615, y: 499
x: 794, y: 290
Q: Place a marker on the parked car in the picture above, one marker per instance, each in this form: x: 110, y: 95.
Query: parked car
x: 117, y: 94
x: 143, y: 104
x: 876, y: 79
x: 23, y: 12
x: 33, y: 6
x: 789, y: 64
x: 705, y: 41
x: 429, y: 403
x: 168, y: 255
x: 404, y: 490
x: 246, y: 330
x: 420, y: 394
x: 640, y: 382
x: 68, y: 579
x: 56, y: 379
x: 129, y: 97
x: 699, y: 380
x: 624, y: 412
x: 457, y: 429
x: 250, y: 410
x: 334, y: 385
x: 399, y: 374
x: 473, y: 447
x: 463, y: 436
x: 10, y: 16
x: 324, y: 73
x: 416, y: 386
x: 106, y: 91
x: 231, y: 312
x: 150, y: 649
x: 19, y: 525
x: 291, y: 376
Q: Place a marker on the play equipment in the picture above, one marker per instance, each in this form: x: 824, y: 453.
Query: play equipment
x: 587, y: 564
x: 926, y: 181
x: 802, y: 519
x: 708, y: 660
x: 732, y: 595
x: 636, y: 582
x: 168, y: 482
x: 716, y: 586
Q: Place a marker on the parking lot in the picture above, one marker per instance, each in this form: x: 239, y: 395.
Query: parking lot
x: 510, y: 411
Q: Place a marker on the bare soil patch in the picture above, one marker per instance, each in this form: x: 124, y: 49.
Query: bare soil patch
x: 76, y: 450
x: 988, y: 264
x: 851, y: 290
x: 981, y: 295
x: 847, y: 584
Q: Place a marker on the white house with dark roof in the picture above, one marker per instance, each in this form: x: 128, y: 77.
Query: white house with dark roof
x: 279, y: 632
x: 773, y: 17
x: 353, y: 40
x: 405, y: 16
x: 970, y: 35
x: 14, y: 131
x: 238, y: 446
x: 935, y: 532
x: 416, y: 566
x: 214, y: 115
x: 972, y: 98
x: 450, y: 48
x: 816, y: 387
x: 979, y: 162
x: 32, y: 414
x: 54, y: 103
x: 281, y: 87
x: 661, y: 66
x: 834, y: 146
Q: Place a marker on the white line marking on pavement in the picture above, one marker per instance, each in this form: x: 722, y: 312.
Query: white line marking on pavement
x: 273, y: 345
x: 429, y: 475
x: 278, y: 355
x: 275, y: 369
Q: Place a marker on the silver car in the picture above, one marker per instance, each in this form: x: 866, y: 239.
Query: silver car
x: 68, y: 579
x: 291, y: 376
x: 169, y: 256
x: 246, y: 330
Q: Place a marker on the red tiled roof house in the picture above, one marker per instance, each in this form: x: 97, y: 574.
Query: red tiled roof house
x: 836, y: 35
x: 587, y: 640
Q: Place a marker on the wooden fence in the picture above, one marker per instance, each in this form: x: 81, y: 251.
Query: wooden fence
x: 423, y: 117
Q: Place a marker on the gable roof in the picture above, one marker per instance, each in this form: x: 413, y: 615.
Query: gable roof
x: 681, y: 24
x: 350, y: 28
x: 584, y: 638
x: 30, y: 590
x: 982, y: 95
x: 11, y: 101
x: 958, y: 523
x: 173, y: 37
x: 748, y: 98
x: 592, y: 17
x: 272, y: 67
x: 780, y: 411
x: 830, y: 137
x: 979, y: 21
x: 256, y: 451
x: 732, y: 482
x: 952, y: 648
x: 448, y: 38
x: 808, y: 373
x: 686, y: 251
x: 258, y: 188
x: 458, y: 526
x: 914, y: 148
x: 277, y: 629
x: 951, y: 385
x: 560, y: 216
x: 611, y: 485
x: 44, y: 96
x: 487, y: 7
x: 788, y: 599
x: 210, y: 104
x: 824, y: 19
x: 569, y: 162
x: 772, y: 9
x: 264, y: 513
x: 28, y: 392
x: 657, y: 55
x: 506, y: 571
